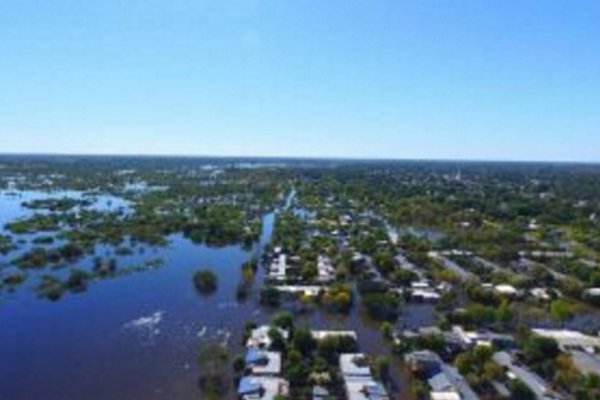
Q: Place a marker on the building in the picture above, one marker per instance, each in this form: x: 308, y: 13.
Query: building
x: 442, y: 388
x: 320, y: 393
x: 262, y: 388
x: 506, y: 290
x: 278, y: 268
x: 260, y: 339
x: 445, y: 382
x: 320, y: 335
x: 354, y: 365
x: 583, y: 348
x: 544, y: 294
x: 568, y: 339
x: 482, y: 338
x: 425, y: 295
x: 586, y: 363
x: 424, y: 362
x: 305, y: 290
x: 364, y: 389
x: 358, y: 382
x: 260, y: 362
x: 421, y: 291
x: 326, y: 272
x: 534, y: 382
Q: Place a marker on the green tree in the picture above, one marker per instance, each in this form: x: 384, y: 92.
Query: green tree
x: 303, y: 341
x: 205, y: 281
x: 212, y: 362
x: 561, y: 310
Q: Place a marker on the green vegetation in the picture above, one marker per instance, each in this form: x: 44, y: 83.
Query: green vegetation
x: 205, y: 281
x: 213, y: 360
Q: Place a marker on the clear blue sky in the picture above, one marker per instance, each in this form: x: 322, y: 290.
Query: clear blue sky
x: 485, y: 79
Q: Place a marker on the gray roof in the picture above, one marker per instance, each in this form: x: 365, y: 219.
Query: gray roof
x: 529, y: 378
x: 586, y: 363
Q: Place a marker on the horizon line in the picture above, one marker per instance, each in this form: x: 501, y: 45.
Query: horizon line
x: 297, y: 158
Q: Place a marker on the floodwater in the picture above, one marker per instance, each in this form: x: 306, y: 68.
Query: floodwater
x: 136, y: 336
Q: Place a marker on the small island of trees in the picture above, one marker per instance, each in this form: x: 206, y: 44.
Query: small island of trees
x: 205, y: 281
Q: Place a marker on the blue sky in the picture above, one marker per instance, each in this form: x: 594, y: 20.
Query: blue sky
x: 463, y: 79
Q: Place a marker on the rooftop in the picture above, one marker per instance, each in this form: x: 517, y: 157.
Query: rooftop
x: 320, y: 335
x: 262, y: 387
x: 364, y: 389
x: 533, y: 381
x: 263, y: 362
x: 354, y: 365
x: 568, y: 338
x: 260, y: 338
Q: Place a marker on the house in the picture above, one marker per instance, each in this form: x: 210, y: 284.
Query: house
x: 568, y: 339
x: 506, y: 290
x: 482, y: 338
x: 592, y: 292
x: 262, y: 388
x: 534, y: 382
x: 358, y: 382
x: 458, y: 382
x: 422, y: 291
x: 278, y: 268
x: 320, y: 335
x: 364, y: 389
x: 320, y: 393
x: 326, y: 272
x: 306, y: 290
x: 585, y: 362
x: 259, y: 338
x: 544, y: 294
x: 260, y: 362
x: 420, y: 285
x: 583, y: 348
x: 425, y: 295
x: 445, y: 381
x: 354, y: 365
x: 442, y: 388
x: 424, y: 362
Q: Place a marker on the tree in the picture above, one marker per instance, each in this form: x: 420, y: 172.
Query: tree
x: 520, y: 391
x: 270, y: 296
x: 205, y: 281
x: 330, y: 347
x: 387, y: 330
x: 277, y: 340
x: 561, y: 310
x: 283, y: 320
x: 239, y: 364
x: 212, y: 362
x: 537, y: 349
x: 77, y: 280
x: 464, y: 363
x: 503, y: 313
x: 381, y: 368
x: 382, y: 306
x: 303, y: 341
